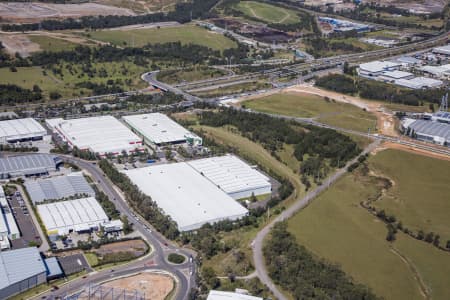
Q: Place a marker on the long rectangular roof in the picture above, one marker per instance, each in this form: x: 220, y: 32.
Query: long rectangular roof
x: 20, y: 264
x: 27, y: 163
x: 185, y: 195
x: 221, y: 295
x: 58, y: 187
x: 378, y: 66
x: 158, y: 128
x: 104, y: 134
x: 429, y: 128
x: 21, y: 128
x: 230, y: 173
x: 66, y: 215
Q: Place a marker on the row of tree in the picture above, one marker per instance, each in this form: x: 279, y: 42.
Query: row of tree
x: 11, y: 94
x: 376, y: 90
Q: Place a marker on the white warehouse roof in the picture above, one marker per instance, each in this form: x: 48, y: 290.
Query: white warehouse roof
x: 159, y: 128
x: 396, y: 74
x: 419, y: 83
x: 233, y: 176
x: 378, y: 66
x: 104, y: 134
x: 77, y: 215
x: 187, y: 197
x: 220, y: 295
x: 17, y: 129
x: 442, y: 50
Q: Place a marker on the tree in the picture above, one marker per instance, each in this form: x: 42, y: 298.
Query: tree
x: 127, y: 227
x: 429, y: 237
x: 436, y: 240
x: 210, y: 277
x: 420, y: 235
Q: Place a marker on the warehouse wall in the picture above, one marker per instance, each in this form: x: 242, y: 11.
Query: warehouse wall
x: 23, y: 285
x: 248, y: 193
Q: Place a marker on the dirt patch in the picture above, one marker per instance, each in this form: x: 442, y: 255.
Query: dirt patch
x: 18, y: 43
x: 137, y: 247
x: 20, y: 12
x: 150, y: 285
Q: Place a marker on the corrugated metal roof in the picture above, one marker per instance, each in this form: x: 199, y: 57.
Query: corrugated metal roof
x: 158, y: 128
x: 58, y: 187
x: 53, y: 267
x: 431, y: 128
x: 21, y: 128
x: 27, y: 163
x: 20, y: 264
x: 230, y: 173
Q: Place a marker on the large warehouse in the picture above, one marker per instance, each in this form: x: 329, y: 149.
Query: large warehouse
x: 428, y: 131
x: 20, y: 270
x: 185, y: 195
x: 233, y: 176
x: 21, y: 130
x: 61, y: 218
x: 159, y: 129
x: 28, y: 165
x: 102, y: 135
x: 8, y: 226
x: 221, y: 295
x: 58, y: 187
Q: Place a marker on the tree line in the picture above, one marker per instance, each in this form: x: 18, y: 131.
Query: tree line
x: 183, y: 12
x: 298, y: 271
x: 11, y: 94
x: 376, y: 90
x: 316, y: 148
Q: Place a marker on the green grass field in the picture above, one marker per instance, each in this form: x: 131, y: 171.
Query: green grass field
x: 420, y: 196
x: 335, y: 227
x: 267, y: 13
x: 47, y: 43
x: 189, y: 74
x: 312, y: 106
x: 185, y: 34
x: 29, y: 76
x: 233, y: 89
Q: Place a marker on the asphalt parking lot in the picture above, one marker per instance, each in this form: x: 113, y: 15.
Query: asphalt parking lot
x: 73, y: 263
x: 24, y: 221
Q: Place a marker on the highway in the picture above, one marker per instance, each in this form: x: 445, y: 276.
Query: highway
x: 184, y: 273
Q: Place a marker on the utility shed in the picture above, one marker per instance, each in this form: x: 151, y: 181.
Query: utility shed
x: 102, y: 135
x: 233, y: 176
x: 58, y: 187
x: 53, y: 268
x: 28, y: 165
x: 187, y: 197
x: 159, y: 129
x: 61, y: 218
x: 21, y: 130
x: 20, y: 270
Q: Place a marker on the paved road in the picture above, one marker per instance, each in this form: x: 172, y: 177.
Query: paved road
x: 185, y: 273
x: 300, y: 203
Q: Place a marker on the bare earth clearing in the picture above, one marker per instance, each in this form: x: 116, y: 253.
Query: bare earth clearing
x: 36, y: 11
x: 153, y: 286
x: 18, y: 43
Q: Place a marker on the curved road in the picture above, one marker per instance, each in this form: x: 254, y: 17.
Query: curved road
x: 300, y: 203
x: 184, y: 273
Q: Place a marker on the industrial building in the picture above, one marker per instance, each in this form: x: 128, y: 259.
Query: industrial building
x: 59, y: 187
x: 221, y: 295
x: 20, y: 270
x: 157, y: 128
x: 442, y: 117
x: 445, y: 50
x: 392, y: 76
x: 233, y: 176
x: 427, y: 131
x: 377, y: 68
x: 79, y: 215
x: 343, y: 26
x: 21, y: 130
x: 442, y: 71
x: 419, y: 83
x: 28, y: 165
x: 189, y: 198
x: 8, y: 226
x: 102, y: 135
